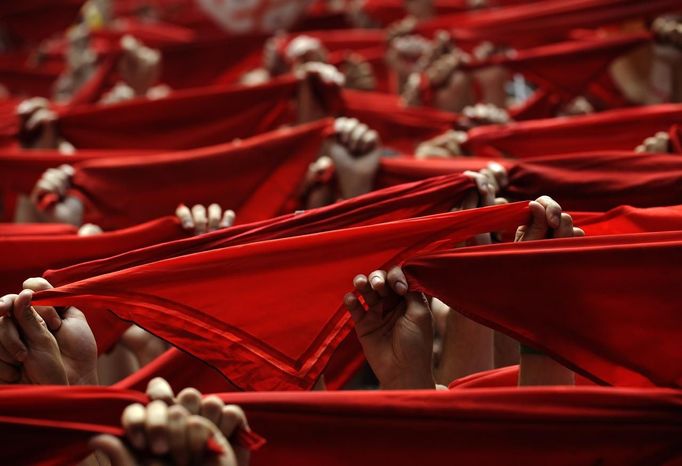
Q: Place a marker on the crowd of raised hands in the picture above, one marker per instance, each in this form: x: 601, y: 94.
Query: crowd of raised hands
x: 410, y: 341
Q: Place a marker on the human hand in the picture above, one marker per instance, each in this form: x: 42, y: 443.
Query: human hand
x: 395, y: 329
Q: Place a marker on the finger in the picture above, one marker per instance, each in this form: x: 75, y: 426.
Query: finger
x: 537, y: 228
x: 133, y: 422
x: 6, y: 304
x: 356, y: 136
x: 157, y: 427
x: 372, y: 140
x: 29, y: 322
x: 185, y: 215
x: 361, y: 284
x: 89, y: 229
x: 228, y: 219
x: 357, y: 312
x: 200, y: 220
x: 377, y: 281
x: 48, y: 313
x: 397, y: 281
x: 198, y: 433
x: 214, y: 216
x: 232, y: 419
x: 9, y: 373
x: 565, y: 229
x: 211, y: 409
x: 190, y: 399
x: 159, y: 389
x: 68, y: 169
x: 11, y: 342
x: 177, y: 438
x: 552, y: 209
x: 114, y: 449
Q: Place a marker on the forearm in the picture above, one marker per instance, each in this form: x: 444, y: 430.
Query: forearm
x: 468, y: 347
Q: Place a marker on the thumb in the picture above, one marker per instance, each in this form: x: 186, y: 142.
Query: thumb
x: 31, y: 324
x: 48, y: 313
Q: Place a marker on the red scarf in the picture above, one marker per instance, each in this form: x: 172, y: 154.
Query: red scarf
x: 583, y: 301
x: 218, y: 305
x: 544, y: 425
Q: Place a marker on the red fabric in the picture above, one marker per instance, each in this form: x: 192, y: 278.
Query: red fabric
x: 257, y: 177
x: 567, y: 69
x: 599, y: 316
x: 558, y: 426
x: 627, y: 219
x: 543, y: 22
x: 36, y: 229
x: 31, y: 21
x: 181, y: 370
x: 21, y: 79
x: 430, y: 196
x: 675, y: 135
x: 71, y: 432
x: 29, y: 256
x: 184, y: 120
x: 583, y: 182
x: 22, y: 168
x: 599, y: 181
x: 197, y: 302
x: 401, y: 202
x: 502, y: 377
x: 621, y: 129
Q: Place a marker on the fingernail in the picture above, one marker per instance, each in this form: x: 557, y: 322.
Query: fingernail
x: 401, y: 288
x: 375, y: 281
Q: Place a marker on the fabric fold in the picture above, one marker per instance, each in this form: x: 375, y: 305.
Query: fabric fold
x: 584, y: 301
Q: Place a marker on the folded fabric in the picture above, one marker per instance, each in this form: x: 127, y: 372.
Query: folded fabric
x: 426, y: 197
x: 184, y: 120
x: 36, y: 229
x: 622, y: 129
x: 69, y: 432
x: 258, y: 178
x: 589, y: 181
x: 214, y: 305
x: 409, y: 200
x: 604, y: 306
x: 29, y: 256
x: 627, y: 219
x: 542, y: 22
x: 543, y: 425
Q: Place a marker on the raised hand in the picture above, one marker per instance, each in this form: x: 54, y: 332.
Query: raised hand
x: 395, y: 329
x: 51, y: 200
x: 76, y: 343
x: 547, y: 221
x: 169, y: 435
x: 200, y: 220
x: 355, y: 151
x: 659, y: 143
x: 29, y: 352
x: 176, y: 429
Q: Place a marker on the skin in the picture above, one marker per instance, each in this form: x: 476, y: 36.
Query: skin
x: 177, y: 429
x: 395, y: 325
